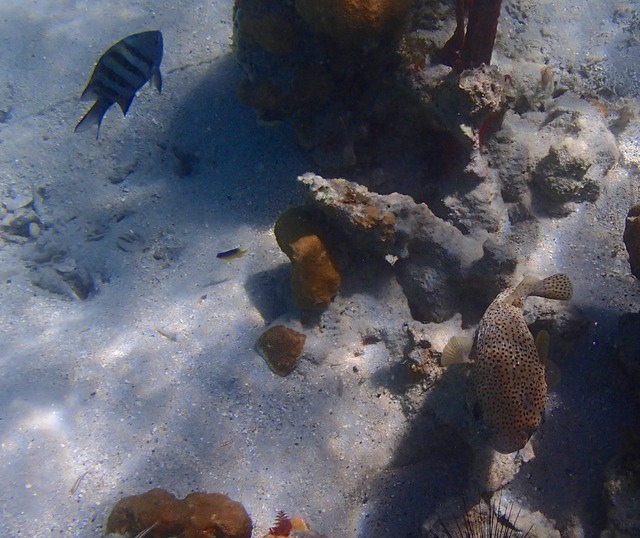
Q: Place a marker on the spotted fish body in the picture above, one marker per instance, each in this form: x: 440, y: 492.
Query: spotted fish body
x: 120, y: 72
x: 508, y: 377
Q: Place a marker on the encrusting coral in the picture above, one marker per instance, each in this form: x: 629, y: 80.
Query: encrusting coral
x: 161, y: 514
x: 281, y: 347
x: 353, y: 21
x: 315, y: 279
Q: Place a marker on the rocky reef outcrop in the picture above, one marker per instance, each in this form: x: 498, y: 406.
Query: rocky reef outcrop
x: 435, y: 263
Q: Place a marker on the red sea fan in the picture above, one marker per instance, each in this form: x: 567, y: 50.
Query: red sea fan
x: 282, y: 526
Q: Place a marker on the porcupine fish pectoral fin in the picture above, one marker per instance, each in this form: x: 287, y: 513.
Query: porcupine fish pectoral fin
x: 457, y: 350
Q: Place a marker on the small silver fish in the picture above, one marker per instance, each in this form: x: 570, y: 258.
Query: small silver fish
x: 120, y: 72
x: 508, y: 370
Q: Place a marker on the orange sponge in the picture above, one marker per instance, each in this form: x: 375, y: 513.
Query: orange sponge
x: 315, y: 279
x: 198, y: 515
x: 281, y: 347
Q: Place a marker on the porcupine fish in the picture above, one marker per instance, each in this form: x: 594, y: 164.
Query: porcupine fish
x: 508, y: 373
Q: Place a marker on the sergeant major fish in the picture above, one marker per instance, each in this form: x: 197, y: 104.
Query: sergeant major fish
x: 508, y: 374
x: 120, y: 72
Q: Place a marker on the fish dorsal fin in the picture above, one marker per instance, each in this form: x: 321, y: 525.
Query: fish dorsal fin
x: 556, y: 286
x: 457, y: 350
x: 526, y: 287
x: 551, y: 370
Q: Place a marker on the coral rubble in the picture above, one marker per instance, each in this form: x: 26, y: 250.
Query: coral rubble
x: 562, y: 176
x: 198, y: 515
x: 19, y: 220
x: 469, y: 105
x: 281, y: 347
x: 315, y: 279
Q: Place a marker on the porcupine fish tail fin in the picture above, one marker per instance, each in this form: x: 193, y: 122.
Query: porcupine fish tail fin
x: 556, y: 286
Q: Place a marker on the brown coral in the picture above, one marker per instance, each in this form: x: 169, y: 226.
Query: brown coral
x: 315, y: 279
x: 198, y: 515
x: 281, y: 347
x: 353, y: 21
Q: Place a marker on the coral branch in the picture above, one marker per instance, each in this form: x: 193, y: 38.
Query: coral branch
x: 472, y: 48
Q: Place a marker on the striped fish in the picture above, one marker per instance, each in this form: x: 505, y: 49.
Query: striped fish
x: 120, y: 72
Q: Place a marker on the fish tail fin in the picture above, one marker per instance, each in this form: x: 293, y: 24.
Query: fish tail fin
x: 457, y: 350
x: 93, y: 116
x: 556, y: 286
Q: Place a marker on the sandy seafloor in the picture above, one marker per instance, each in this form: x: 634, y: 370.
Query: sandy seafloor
x: 153, y: 379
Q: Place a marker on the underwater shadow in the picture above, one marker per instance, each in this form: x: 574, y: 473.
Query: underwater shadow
x: 269, y: 290
x: 432, y: 462
x: 218, y: 153
x: 579, y: 437
x: 591, y: 406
